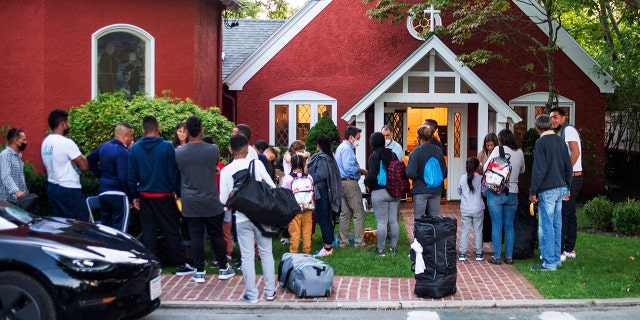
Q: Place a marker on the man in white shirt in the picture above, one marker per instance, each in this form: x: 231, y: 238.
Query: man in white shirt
x: 63, y: 160
x: 246, y: 230
x: 246, y: 131
x: 574, y: 146
x: 389, y: 143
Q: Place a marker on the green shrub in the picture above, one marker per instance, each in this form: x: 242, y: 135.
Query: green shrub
x: 93, y: 122
x: 599, y: 212
x: 626, y: 218
x: 324, y: 126
x: 529, y: 141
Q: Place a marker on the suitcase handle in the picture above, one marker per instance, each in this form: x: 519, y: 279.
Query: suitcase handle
x: 319, y: 270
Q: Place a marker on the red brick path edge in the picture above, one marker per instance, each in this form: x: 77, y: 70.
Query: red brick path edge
x: 477, y: 281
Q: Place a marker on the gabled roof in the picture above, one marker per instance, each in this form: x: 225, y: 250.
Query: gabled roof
x: 434, y: 43
x: 239, y: 42
x: 240, y: 76
x: 569, y: 46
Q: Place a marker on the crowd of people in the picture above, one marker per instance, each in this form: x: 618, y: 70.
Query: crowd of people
x: 185, y: 181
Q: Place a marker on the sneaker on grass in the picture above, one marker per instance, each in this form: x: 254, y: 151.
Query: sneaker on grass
x: 227, y: 273
x: 571, y: 254
x: 185, y: 270
x: 198, y: 277
x: 324, y: 252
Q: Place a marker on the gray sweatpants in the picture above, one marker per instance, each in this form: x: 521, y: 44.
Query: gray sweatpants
x: 467, y: 219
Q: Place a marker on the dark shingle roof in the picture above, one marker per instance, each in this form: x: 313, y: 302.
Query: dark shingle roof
x: 238, y: 43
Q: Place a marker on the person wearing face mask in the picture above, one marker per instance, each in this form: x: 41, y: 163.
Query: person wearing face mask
x: 62, y: 160
x: 389, y: 143
x: 12, y: 182
x: 350, y: 173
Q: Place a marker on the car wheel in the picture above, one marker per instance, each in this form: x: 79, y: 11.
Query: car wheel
x: 23, y: 297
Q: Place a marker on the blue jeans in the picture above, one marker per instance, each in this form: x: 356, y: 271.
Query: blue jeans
x: 550, y: 226
x: 247, y: 231
x: 502, y: 208
x: 112, y: 207
x: 323, y: 216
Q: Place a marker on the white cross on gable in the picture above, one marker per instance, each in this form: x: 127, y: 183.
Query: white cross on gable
x: 434, y: 17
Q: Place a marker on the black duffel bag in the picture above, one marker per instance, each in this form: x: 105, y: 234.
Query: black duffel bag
x: 260, y: 202
x: 437, y: 236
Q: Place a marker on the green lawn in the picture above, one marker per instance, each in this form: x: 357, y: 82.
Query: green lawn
x: 606, y: 265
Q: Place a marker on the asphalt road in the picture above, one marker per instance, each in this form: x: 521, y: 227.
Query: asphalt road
x: 583, y: 313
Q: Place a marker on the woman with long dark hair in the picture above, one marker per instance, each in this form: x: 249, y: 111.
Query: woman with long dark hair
x: 327, y: 187
x: 180, y: 137
x: 385, y: 206
x: 503, y: 206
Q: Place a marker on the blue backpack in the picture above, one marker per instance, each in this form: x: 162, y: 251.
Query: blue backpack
x: 382, y: 175
x: 432, y: 173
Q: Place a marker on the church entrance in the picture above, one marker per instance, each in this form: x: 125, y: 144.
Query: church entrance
x: 452, y: 120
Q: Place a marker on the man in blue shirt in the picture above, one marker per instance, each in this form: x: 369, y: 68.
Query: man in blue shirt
x: 350, y: 173
x: 109, y: 163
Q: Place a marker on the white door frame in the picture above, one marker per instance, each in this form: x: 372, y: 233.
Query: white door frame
x: 456, y: 163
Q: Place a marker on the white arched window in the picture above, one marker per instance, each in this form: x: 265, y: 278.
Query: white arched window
x: 122, y: 59
x: 292, y: 114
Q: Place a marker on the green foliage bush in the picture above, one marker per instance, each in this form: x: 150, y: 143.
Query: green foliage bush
x: 599, y: 212
x: 93, y: 122
x: 324, y: 126
x: 626, y: 218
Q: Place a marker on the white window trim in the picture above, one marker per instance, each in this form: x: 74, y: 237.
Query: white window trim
x: 532, y: 100
x: 149, y: 53
x: 294, y: 98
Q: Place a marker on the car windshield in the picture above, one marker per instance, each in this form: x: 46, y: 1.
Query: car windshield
x: 12, y: 217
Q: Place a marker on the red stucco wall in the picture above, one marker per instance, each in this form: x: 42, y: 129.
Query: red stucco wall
x: 344, y: 54
x: 46, y: 56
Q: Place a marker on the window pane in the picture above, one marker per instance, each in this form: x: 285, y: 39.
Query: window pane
x: 303, y: 121
x: 282, y: 125
x: 121, y: 63
x: 324, y: 109
x: 456, y: 134
x: 520, y: 128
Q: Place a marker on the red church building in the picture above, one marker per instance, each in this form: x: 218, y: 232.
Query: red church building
x: 57, y: 54
x: 330, y: 57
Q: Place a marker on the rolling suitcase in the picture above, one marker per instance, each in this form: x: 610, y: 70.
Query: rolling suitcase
x: 305, y: 275
x: 437, y: 236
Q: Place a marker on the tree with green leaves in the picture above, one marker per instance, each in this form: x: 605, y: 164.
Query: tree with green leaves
x: 496, y: 22
x: 93, y: 123
x: 274, y: 9
x: 610, y: 32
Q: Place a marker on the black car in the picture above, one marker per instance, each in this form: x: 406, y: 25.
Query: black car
x: 56, y: 268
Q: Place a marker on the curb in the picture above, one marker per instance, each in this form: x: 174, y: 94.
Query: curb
x: 399, y: 305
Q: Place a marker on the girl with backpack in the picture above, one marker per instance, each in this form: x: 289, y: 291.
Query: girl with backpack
x: 471, y: 209
x: 503, y: 206
x: 300, y: 182
x: 385, y: 206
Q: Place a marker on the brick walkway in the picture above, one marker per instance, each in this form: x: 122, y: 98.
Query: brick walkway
x: 477, y: 280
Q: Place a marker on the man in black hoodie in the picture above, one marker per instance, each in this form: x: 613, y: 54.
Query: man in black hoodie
x: 152, y: 175
x: 551, y: 173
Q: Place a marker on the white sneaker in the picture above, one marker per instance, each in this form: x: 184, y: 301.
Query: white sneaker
x: 324, y: 252
x: 571, y: 254
x: 563, y: 257
x: 198, y: 277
